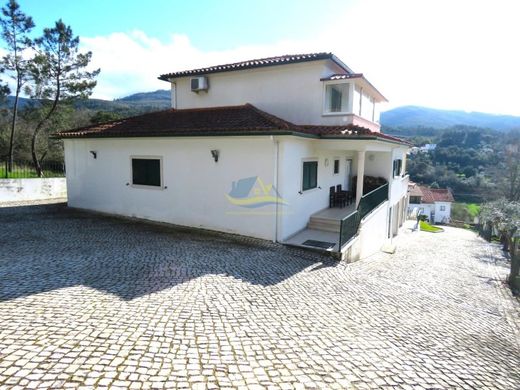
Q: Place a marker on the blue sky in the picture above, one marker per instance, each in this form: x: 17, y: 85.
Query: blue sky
x: 453, y: 54
x: 211, y: 25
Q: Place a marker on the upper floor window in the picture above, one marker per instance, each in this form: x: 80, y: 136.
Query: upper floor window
x: 336, y: 97
x: 398, y: 167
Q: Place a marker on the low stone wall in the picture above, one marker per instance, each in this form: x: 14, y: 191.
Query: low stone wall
x: 14, y: 190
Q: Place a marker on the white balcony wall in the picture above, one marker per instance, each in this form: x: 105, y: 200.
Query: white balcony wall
x: 367, y: 107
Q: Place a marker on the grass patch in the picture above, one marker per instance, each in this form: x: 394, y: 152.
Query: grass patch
x: 16, y: 175
x: 27, y: 174
x: 473, y: 209
x: 464, y: 212
x: 426, y: 227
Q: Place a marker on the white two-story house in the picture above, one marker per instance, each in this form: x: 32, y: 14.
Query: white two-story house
x: 256, y: 148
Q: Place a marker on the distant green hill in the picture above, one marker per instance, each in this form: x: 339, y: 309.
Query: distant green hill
x: 415, y: 116
x: 161, y: 96
x: 129, y: 105
x: 400, y: 117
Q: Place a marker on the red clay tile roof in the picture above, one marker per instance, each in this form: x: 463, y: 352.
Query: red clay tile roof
x: 432, y: 195
x: 201, y: 121
x: 415, y: 190
x: 349, y: 131
x: 215, y: 121
x: 442, y: 195
x: 257, y: 63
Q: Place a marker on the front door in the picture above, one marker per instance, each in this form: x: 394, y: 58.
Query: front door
x: 348, y: 174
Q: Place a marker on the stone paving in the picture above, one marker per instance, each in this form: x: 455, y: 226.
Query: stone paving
x: 88, y: 301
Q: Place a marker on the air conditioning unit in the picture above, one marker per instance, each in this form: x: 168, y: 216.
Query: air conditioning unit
x: 199, y: 84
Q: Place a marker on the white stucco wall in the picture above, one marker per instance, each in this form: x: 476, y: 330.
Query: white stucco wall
x: 399, y: 184
x: 424, y: 208
x: 293, y: 92
x: 196, y: 185
x: 442, y: 216
x: 373, y: 231
x: 433, y: 211
x: 302, y: 204
x: 293, y: 151
x: 15, y: 190
x: 376, y: 164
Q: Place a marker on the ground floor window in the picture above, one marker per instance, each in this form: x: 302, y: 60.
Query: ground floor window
x: 310, y: 175
x: 336, y: 167
x: 146, y: 171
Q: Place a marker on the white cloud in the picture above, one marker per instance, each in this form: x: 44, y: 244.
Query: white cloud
x: 446, y: 54
x: 131, y: 62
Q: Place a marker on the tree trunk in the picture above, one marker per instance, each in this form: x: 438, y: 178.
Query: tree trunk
x: 504, y: 239
x: 13, y: 126
x: 36, y: 162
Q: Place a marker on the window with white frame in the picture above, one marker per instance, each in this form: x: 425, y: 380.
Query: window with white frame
x: 443, y: 208
x: 336, y: 97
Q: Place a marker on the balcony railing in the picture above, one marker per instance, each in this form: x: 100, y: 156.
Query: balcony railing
x: 349, y: 225
x: 348, y: 228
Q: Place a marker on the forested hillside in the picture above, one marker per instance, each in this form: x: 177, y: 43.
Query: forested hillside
x: 77, y: 113
x: 415, y: 116
x: 477, y: 164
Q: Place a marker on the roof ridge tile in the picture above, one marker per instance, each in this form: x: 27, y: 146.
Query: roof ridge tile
x: 259, y: 62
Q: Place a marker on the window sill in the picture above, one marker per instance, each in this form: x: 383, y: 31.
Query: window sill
x: 145, y: 187
x: 310, y: 190
x: 336, y: 113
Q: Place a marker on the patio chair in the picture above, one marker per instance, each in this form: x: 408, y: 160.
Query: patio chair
x: 332, y: 194
x: 340, y: 196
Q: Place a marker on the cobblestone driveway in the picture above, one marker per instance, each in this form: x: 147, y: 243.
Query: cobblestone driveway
x: 89, y: 301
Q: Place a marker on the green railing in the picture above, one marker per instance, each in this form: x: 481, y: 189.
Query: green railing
x: 348, y: 228
x: 373, y: 199
x: 349, y: 225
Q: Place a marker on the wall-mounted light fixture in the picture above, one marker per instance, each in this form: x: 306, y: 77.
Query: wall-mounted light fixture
x: 326, y: 162
x: 371, y: 157
x: 215, y: 153
x: 93, y: 153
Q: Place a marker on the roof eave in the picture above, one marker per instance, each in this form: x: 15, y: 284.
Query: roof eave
x: 366, y: 137
x: 193, y: 134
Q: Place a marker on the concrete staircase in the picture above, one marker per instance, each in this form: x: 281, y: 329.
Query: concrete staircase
x: 324, y: 223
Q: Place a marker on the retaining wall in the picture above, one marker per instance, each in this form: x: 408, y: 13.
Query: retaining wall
x: 15, y: 190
